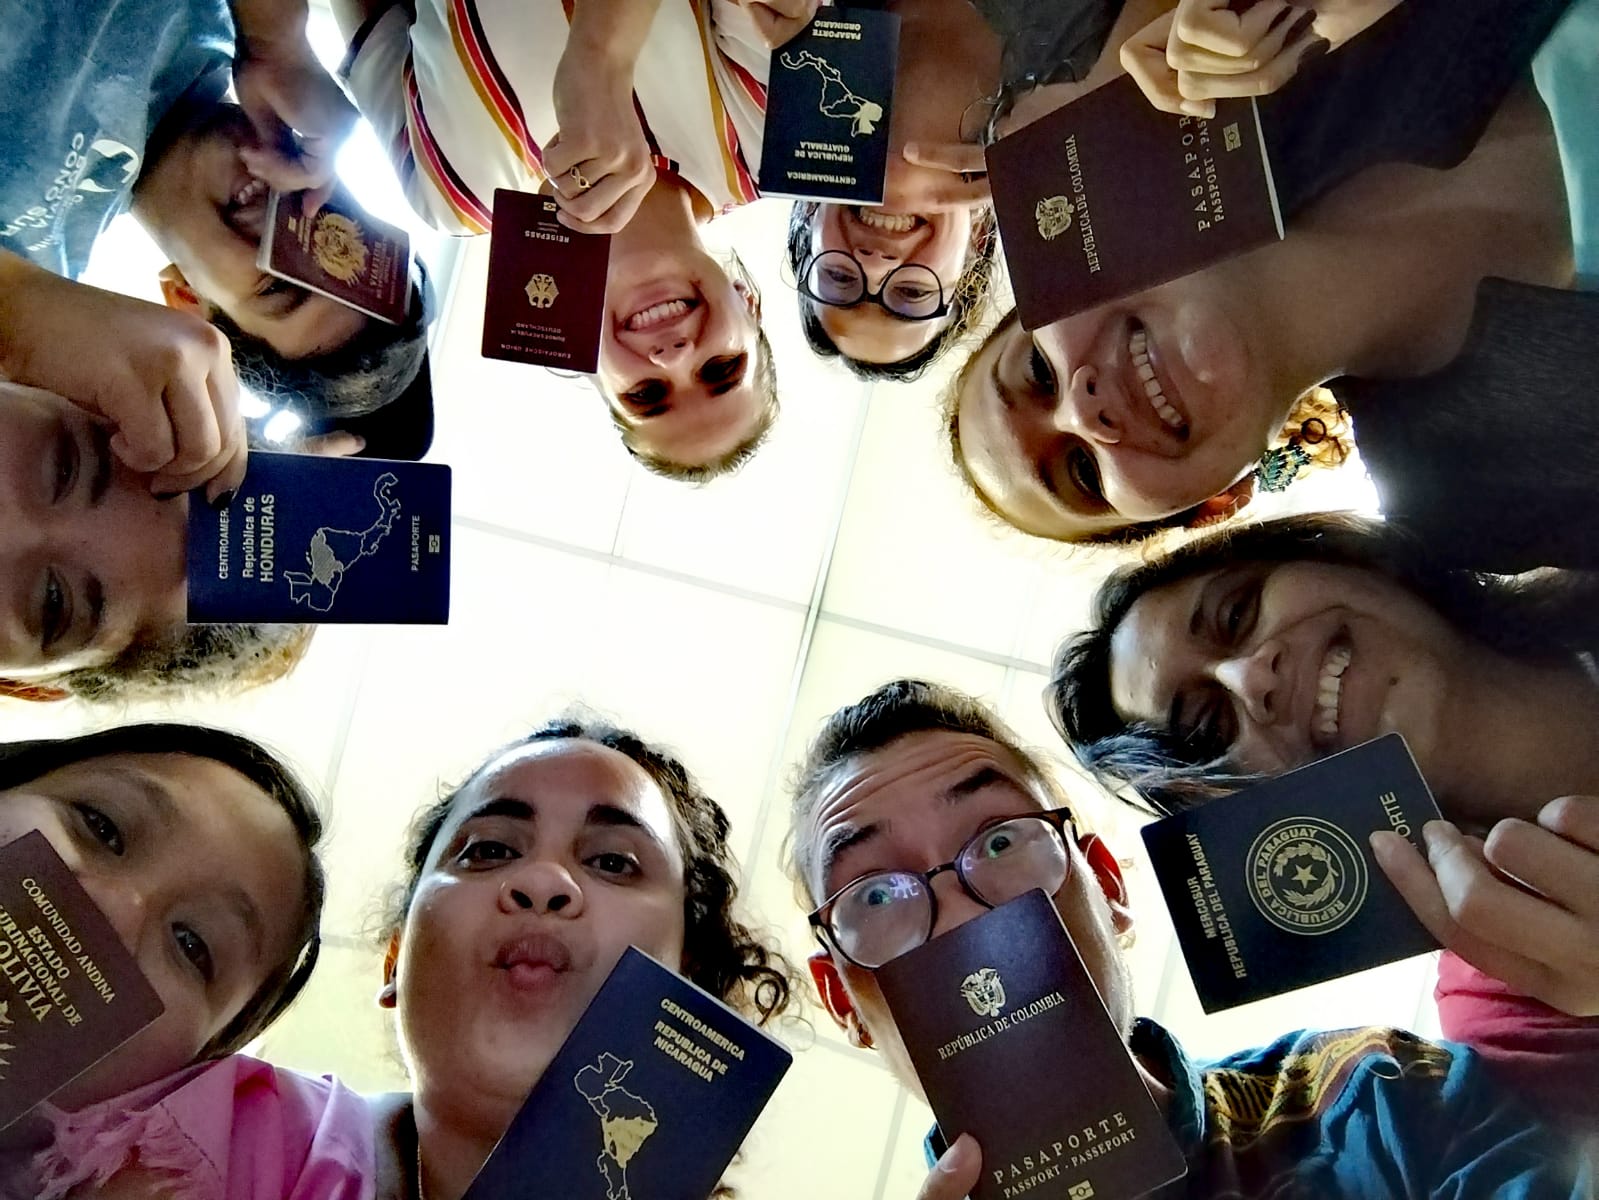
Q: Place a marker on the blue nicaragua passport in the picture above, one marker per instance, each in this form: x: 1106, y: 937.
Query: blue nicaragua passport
x: 1276, y: 888
x: 828, y: 103
x: 70, y: 992
x: 1013, y: 1045
x: 649, y: 1098
x: 1109, y: 196
x: 315, y: 540
x: 546, y: 293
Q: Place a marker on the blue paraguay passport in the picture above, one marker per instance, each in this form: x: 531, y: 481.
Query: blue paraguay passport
x: 828, y: 104
x: 650, y: 1097
x: 1275, y: 887
x: 313, y: 540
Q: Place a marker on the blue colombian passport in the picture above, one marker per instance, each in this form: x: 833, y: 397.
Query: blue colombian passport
x: 314, y: 540
x: 1275, y: 887
x: 828, y: 104
x: 650, y: 1097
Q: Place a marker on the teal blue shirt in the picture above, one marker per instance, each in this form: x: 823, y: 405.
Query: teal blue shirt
x: 1566, y: 69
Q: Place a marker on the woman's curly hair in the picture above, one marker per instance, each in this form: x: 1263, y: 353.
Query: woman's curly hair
x: 720, y: 953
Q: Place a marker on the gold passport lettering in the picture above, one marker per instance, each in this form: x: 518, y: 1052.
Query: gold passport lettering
x: 685, y: 1051
x: 32, y: 965
x: 1307, y: 875
x: 1212, y: 911
x: 1200, y: 159
x: 1069, y: 1151
x: 1000, y: 1024
x: 1395, y: 814
x: 1078, y: 204
x: 701, y: 1028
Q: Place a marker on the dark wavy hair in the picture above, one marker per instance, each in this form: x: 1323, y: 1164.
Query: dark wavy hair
x: 1548, y: 616
x: 894, y: 710
x: 720, y: 953
x: 968, y: 301
x: 23, y: 762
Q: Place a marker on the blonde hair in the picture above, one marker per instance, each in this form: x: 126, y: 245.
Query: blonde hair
x: 212, y: 659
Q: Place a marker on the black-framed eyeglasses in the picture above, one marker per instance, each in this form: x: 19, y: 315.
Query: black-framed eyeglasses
x: 876, y: 918
x: 910, y: 292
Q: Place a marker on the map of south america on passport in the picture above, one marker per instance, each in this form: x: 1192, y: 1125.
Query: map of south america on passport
x: 335, y: 551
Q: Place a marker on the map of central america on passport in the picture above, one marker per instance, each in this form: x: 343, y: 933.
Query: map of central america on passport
x: 626, y: 1120
x: 334, y: 551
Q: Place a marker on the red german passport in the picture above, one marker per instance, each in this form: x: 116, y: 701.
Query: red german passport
x: 1013, y: 1045
x: 70, y: 993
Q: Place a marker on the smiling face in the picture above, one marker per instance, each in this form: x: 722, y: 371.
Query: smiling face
x: 911, y: 806
x: 1275, y: 666
x: 679, y: 354
x: 549, y: 866
x: 207, y: 213
x: 1130, y: 412
x: 90, y: 561
x: 882, y: 242
x: 154, y: 839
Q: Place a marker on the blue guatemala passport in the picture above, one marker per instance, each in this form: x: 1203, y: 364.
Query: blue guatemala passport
x: 650, y: 1097
x: 1275, y: 887
x: 314, y: 540
x: 828, y: 104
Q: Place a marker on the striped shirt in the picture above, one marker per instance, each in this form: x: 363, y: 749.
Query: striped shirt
x: 461, y: 97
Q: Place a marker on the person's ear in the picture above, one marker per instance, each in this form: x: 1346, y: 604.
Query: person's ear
x: 1107, y: 870
x: 178, y: 294
x: 835, y: 999
x: 43, y: 693
x: 389, y: 993
x: 1228, y: 504
x: 752, y: 298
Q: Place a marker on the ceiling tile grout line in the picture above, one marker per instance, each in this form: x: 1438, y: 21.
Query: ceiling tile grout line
x: 632, y: 564
x: 933, y: 643
x: 891, y: 1144
x: 802, y: 652
x: 341, y: 741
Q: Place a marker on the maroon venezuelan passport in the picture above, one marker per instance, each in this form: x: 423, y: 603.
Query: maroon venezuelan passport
x: 546, y: 293
x: 1013, y: 1045
x: 70, y: 993
x: 1109, y: 196
x: 342, y: 252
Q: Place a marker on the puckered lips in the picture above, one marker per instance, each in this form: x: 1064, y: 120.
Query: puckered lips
x: 533, y: 961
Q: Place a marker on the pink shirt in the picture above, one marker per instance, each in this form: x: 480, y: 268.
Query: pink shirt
x: 1551, y: 1058
x: 238, y: 1129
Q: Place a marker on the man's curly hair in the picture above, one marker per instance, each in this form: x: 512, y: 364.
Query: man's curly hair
x: 720, y: 953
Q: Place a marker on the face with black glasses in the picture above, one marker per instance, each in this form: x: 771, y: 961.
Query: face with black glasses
x: 678, y: 352
x: 965, y: 810
x: 155, y: 839
x: 90, y: 561
x: 1273, y: 666
x: 905, y: 257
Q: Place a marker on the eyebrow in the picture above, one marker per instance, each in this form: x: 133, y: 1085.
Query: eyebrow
x: 607, y: 816
x: 155, y: 793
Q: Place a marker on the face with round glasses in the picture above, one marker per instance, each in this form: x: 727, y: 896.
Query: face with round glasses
x: 907, y: 261
x: 916, y: 838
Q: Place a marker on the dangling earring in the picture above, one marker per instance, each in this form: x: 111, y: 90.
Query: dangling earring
x: 1281, y: 465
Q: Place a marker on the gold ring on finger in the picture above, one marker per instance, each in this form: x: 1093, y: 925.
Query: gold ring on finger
x: 580, y: 179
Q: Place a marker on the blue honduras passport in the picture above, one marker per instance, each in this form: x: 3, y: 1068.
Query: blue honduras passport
x: 313, y: 540
x: 1276, y: 888
x: 828, y: 104
x: 649, y: 1099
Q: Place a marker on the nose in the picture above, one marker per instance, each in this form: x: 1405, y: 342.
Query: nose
x: 541, y: 886
x: 1255, y: 679
x: 956, y: 905
x: 1089, y: 410
x: 668, y: 354
x: 124, y: 903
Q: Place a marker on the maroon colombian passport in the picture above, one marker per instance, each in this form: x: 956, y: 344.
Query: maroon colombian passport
x: 342, y: 252
x: 546, y: 293
x: 1013, y: 1045
x: 1109, y: 196
x: 70, y: 993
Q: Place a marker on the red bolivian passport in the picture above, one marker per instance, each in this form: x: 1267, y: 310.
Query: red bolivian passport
x: 342, y: 252
x: 1013, y: 1045
x: 70, y: 993
x: 1109, y: 196
x: 546, y: 293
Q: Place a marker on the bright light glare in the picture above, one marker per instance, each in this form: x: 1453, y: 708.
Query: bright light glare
x: 251, y: 406
x: 282, y: 427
